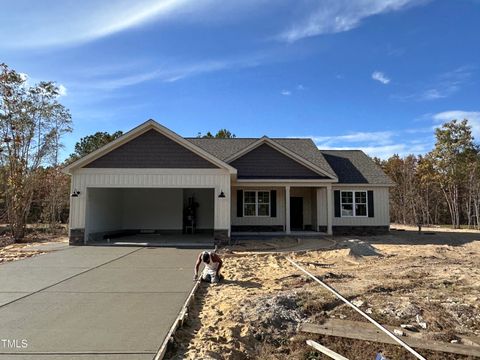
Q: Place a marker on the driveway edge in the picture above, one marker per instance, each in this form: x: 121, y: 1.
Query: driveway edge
x: 178, y: 322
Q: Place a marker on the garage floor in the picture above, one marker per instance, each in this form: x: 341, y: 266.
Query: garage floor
x: 93, y: 302
x: 163, y: 240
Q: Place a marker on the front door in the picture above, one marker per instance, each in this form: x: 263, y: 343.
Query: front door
x: 296, y: 213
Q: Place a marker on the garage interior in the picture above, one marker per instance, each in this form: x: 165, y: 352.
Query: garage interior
x: 148, y: 215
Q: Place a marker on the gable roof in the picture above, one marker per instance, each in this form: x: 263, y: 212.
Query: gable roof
x: 350, y: 166
x: 355, y: 167
x: 138, y: 131
x: 227, y: 149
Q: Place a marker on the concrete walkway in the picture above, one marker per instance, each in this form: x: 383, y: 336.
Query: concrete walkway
x: 92, y: 302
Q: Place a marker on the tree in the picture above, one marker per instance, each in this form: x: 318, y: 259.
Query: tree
x: 454, y: 150
x: 90, y: 143
x: 32, y: 122
x: 221, y: 134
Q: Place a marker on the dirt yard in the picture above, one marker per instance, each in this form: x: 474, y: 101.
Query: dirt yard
x: 34, y: 244
x: 402, y: 278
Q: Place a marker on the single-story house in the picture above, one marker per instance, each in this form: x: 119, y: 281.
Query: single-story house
x: 154, y: 180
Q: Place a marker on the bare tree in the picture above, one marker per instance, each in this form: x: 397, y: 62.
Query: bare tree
x: 32, y: 122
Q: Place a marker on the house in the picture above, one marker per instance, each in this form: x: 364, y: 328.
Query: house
x: 153, y: 180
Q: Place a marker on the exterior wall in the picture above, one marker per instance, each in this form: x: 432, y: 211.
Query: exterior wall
x: 381, y: 208
x: 279, y: 220
x: 217, y: 179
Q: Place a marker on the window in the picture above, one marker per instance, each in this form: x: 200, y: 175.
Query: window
x: 256, y: 203
x: 354, y: 203
x: 249, y: 203
x: 347, y: 203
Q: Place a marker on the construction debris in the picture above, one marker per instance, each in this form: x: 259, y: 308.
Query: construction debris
x: 364, y: 331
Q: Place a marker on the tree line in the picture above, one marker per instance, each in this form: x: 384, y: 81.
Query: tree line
x: 440, y: 187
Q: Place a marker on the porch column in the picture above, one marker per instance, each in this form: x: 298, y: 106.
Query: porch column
x: 318, y: 199
x: 287, y: 209
x: 329, y: 209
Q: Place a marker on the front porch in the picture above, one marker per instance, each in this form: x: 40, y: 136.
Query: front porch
x: 299, y: 209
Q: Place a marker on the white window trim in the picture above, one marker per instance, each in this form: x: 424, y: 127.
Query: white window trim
x: 354, y: 203
x: 257, y: 203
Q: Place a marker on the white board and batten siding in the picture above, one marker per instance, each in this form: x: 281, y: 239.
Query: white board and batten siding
x: 216, y: 179
x: 381, y: 208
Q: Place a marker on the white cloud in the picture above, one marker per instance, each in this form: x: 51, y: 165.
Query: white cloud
x: 53, y: 23
x: 381, y: 77
x: 356, y: 137
x: 300, y: 87
x: 286, y: 92
x: 62, y: 90
x: 334, y: 16
x: 473, y: 118
x: 382, y: 144
x: 23, y: 76
x: 169, y: 72
x: 385, y: 151
x: 442, y: 86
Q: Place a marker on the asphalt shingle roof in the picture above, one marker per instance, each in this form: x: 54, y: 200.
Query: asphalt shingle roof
x: 350, y: 166
x: 355, y: 167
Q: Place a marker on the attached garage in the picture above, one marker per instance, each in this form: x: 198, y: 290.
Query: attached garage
x: 147, y: 181
x: 118, y: 212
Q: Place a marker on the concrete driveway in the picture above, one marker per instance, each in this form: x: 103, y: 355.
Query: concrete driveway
x: 92, y: 302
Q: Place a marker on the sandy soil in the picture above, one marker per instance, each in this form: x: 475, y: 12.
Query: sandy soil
x: 32, y: 245
x: 254, y: 313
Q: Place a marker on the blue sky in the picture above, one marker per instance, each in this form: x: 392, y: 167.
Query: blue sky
x: 378, y: 75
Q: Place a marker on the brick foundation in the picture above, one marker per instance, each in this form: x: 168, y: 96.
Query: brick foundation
x: 257, y: 228
x: 76, y: 237
x: 360, y: 230
x: 221, y: 237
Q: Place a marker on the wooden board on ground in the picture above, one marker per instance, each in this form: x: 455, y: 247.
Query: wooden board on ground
x: 325, y: 350
x: 365, y: 331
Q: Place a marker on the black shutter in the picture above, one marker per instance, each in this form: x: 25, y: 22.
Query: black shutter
x: 371, y: 212
x: 336, y: 202
x: 273, y: 203
x: 239, y: 203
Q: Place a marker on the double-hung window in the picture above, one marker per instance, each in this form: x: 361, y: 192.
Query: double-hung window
x: 256, y: 203
x: 354, y: 203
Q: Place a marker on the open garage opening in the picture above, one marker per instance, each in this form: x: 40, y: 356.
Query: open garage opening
x: 149, y: 214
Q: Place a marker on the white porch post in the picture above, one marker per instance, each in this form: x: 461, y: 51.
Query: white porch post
x: 287, y: 209
x: 329, y: 210
x: 318, y: 199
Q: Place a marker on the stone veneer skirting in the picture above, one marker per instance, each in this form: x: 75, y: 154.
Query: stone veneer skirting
x: 76, y: 237
x: 221, y: 237
x: 257, y: 228
x: 360, y: 230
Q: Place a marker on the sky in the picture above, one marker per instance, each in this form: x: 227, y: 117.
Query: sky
x: 376, y: 75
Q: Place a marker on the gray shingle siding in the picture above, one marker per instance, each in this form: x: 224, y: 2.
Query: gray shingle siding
x: 265, y: 162
x: 151, y: 150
